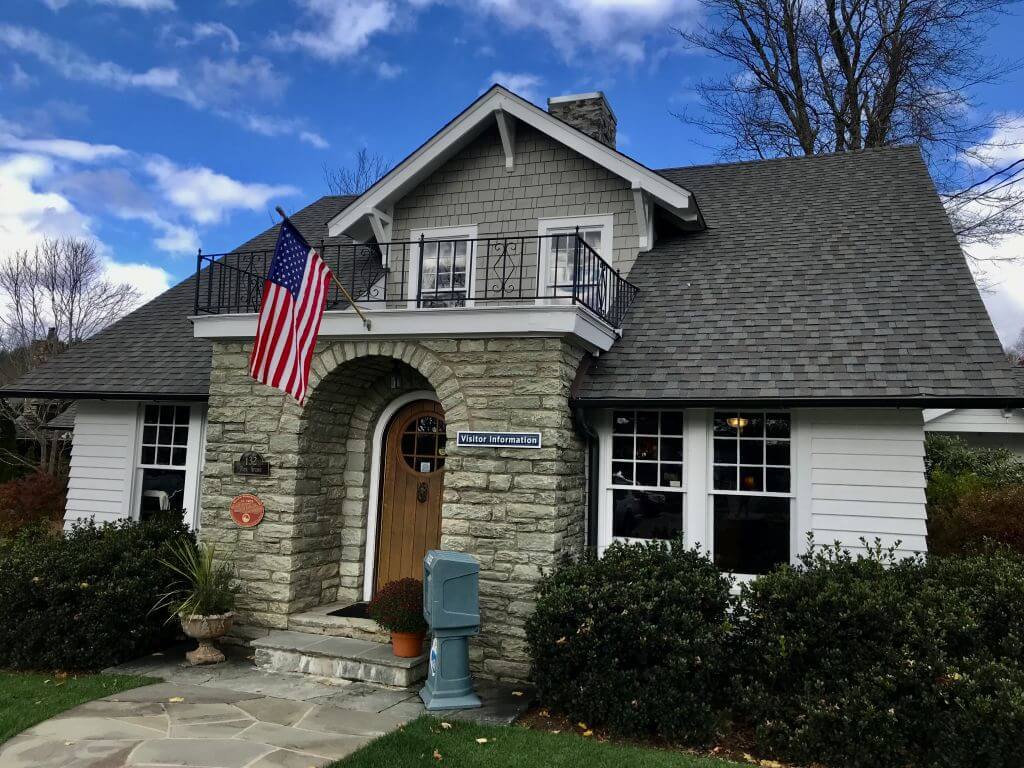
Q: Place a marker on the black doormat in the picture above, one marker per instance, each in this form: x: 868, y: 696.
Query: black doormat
x: 354, y: 611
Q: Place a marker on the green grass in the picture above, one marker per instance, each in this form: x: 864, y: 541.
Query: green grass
x: 27, y: 698
x: 509, y: 747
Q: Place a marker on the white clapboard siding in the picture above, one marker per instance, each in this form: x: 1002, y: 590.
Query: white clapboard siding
x: 867, y: 477
x: 975, y: 420
x: 102, y: 456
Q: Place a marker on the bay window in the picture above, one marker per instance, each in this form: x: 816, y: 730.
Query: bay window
x: 751, y: 494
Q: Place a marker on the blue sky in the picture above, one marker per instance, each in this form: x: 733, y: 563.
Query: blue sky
x: 158, y: 126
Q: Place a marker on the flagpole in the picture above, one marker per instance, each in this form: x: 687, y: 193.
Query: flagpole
x: 334, y: 277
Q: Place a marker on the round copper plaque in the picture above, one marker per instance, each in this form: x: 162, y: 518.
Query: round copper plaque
x: 247, y: 510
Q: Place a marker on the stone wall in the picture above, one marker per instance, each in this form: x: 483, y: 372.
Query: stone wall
x: 516, y: 510
x: 549, y: 180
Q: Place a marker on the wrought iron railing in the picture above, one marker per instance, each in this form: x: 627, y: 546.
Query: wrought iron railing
x: 458, y: 272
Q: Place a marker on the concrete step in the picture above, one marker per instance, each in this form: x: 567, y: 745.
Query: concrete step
x: 319, y: 621
x: 339, y: 658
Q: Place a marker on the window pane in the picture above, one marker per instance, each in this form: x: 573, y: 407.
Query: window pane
x: 647, y: 447
x: 672, y: 423
x: 163, y: 456
x: 777, y: 425
x: 165, y: 435
x: 671, y: 449
x: 722, y: 426
x: 149, y: 435
x: 162, y: 490
x: 751, y: 452
x: 646, y: 474
x: 751, y: 533
x: 148, y: 455
x: 671, y: 476
x: 647, y: 422
x: 777, y: 480
x: 777, y: 452
x: 181, y: 435
x: 725, y: 478
x: 181, y: 414
x: 166, y: 414
x: 751, y: 424
x: 623, y: 422
x: 622, y: 448
x: 152, y: 414
x: 646, y: 514
x: 622, y: 473
x: 751, y: 479
x: 725, y: 451
x: 178, y: 457
x: 425, y: 445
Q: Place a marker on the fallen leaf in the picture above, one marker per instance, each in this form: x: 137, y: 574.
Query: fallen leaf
x: 68, y: 743
x: 583, y: 726
x: 481, y: 741
x: 562, y: 640
x: 545, y: 713
x: 557, y: 731
x: 517, y: 693
x: 770, y: 764
x: 176, y: 699
x: 588, y: 733
x: 446, y: 726
x: 749, y: 758
x: 437, y: 755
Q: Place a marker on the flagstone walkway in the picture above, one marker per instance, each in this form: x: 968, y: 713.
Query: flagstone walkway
x: 230, y: 716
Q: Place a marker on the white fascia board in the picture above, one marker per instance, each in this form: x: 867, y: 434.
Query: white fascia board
x: 566, y: 320
x: 442, y: 145
x: 931, y: 414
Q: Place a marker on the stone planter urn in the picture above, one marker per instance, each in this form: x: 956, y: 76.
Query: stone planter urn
x: 206, y: 630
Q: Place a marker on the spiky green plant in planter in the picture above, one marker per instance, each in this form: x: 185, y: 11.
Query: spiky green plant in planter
x: 204, y: 600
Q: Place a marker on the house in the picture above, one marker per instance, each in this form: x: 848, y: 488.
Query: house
x: 567, y: 349
x: 980, y: 427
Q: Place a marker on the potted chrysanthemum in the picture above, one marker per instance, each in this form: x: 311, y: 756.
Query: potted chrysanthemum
x: 398, y: 608
x: 204, y: 601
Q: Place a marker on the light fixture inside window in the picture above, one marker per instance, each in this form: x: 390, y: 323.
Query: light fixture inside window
x: 737, y: 422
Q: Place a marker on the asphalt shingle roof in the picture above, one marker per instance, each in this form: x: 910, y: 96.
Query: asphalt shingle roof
x: 152, y: 352
x: 830, y: 277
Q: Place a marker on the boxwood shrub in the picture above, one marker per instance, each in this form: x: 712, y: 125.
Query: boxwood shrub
x: 634, y: 641
x: 82, y: 600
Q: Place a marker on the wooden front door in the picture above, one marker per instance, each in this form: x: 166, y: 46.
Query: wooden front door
x: 411, y: 489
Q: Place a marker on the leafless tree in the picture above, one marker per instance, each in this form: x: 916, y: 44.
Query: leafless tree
x: 1015, y: 352
x: 357, y: 178
x: 50, y: 299
x: 815, y: 76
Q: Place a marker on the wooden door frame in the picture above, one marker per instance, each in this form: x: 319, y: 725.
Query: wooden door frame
x: 378, y: 446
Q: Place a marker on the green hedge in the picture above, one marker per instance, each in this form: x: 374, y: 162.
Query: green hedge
x: 635, y: 641
x: 841, y: 661
x: 82, y: 601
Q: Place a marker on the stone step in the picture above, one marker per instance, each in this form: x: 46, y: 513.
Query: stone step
x: 319, y: 621
x: 339, y: 658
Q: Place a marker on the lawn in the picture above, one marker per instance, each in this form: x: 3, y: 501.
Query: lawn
x: 27, y: 698
x: 426, y: 742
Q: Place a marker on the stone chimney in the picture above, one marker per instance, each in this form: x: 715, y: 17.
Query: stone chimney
x: 588, y: 112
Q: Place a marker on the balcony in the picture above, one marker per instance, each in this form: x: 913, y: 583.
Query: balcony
x: 526, y: 270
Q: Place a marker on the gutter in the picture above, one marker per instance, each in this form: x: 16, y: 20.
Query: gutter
x: 1014, y: 401
x: 126, y: 395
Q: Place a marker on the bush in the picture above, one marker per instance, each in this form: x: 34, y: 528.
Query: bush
x: 35, y: 498
x: 867, y: 662
x: 398, y: 606
x: 82, y: 601
x: 634, y: 641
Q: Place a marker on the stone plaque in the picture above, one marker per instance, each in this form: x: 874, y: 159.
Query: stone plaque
x: 247, y: 510
x: 252, y: 463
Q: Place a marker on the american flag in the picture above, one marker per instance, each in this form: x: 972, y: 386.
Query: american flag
x: 290, y: 312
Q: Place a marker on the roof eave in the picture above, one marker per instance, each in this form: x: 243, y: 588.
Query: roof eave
x: 931, y: 401
x: 51, y: 394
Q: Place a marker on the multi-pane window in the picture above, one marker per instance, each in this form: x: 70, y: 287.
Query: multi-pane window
x: 647, y: 474
x: 444, y: 279
x: 163, y: 458
x: 751, y: 482
x: 423, y: 443
x: 566, y: 259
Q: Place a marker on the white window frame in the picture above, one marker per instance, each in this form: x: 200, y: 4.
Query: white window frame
x: 194, y: 450
x: 795, y: 449
x: 465, y: 232
x: 605, y: 222
x: 605, y: 429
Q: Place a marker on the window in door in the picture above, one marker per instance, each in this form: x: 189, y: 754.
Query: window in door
x: 576, y: 267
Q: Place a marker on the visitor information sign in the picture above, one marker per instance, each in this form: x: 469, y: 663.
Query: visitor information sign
x: 498, y: 439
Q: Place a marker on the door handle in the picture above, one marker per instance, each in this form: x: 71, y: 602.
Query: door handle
x: 421, y: 492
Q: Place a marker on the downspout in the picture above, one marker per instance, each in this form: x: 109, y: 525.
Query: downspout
x: 585, y: 428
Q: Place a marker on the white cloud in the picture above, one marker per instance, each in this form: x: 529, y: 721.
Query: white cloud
x: 28, y: 213
x: 522, y: 83
x: 1002, y: 146
x: 388, y: 71
x: 207, y: 195
x: 1001, y: 269
x: 149, y: 280
x: 174, y: 238
x: 69, y: 149
x: 210, y: 30
x: 138, y: 5
x: 19, y: 78
x: 338, y: 29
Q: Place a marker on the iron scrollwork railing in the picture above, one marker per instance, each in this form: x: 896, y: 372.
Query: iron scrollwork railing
x: 427, y: 273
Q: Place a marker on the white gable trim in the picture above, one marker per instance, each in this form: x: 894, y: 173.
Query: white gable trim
x: 444, y: 144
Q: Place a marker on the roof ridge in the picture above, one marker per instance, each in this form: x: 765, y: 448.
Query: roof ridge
x: 793, y: 158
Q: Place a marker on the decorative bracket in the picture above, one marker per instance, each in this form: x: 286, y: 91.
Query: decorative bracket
x: 380, y: 223
x: 644, y: 218
x: 507, y: 129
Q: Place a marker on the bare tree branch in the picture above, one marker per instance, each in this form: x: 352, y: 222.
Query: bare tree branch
x: 356, y: 179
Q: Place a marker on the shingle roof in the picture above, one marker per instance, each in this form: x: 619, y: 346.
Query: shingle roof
x: 152, y: 352
x: 830, y: 277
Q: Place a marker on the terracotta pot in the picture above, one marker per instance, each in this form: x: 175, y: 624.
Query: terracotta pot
x: 407, y: 645
x: 207, y: 630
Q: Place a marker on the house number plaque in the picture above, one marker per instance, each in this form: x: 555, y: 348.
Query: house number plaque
x: 252, y: 463
x: 247, y: 510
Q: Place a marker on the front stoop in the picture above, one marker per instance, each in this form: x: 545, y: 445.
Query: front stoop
x: 319, y: 621
x: 342, y: 658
